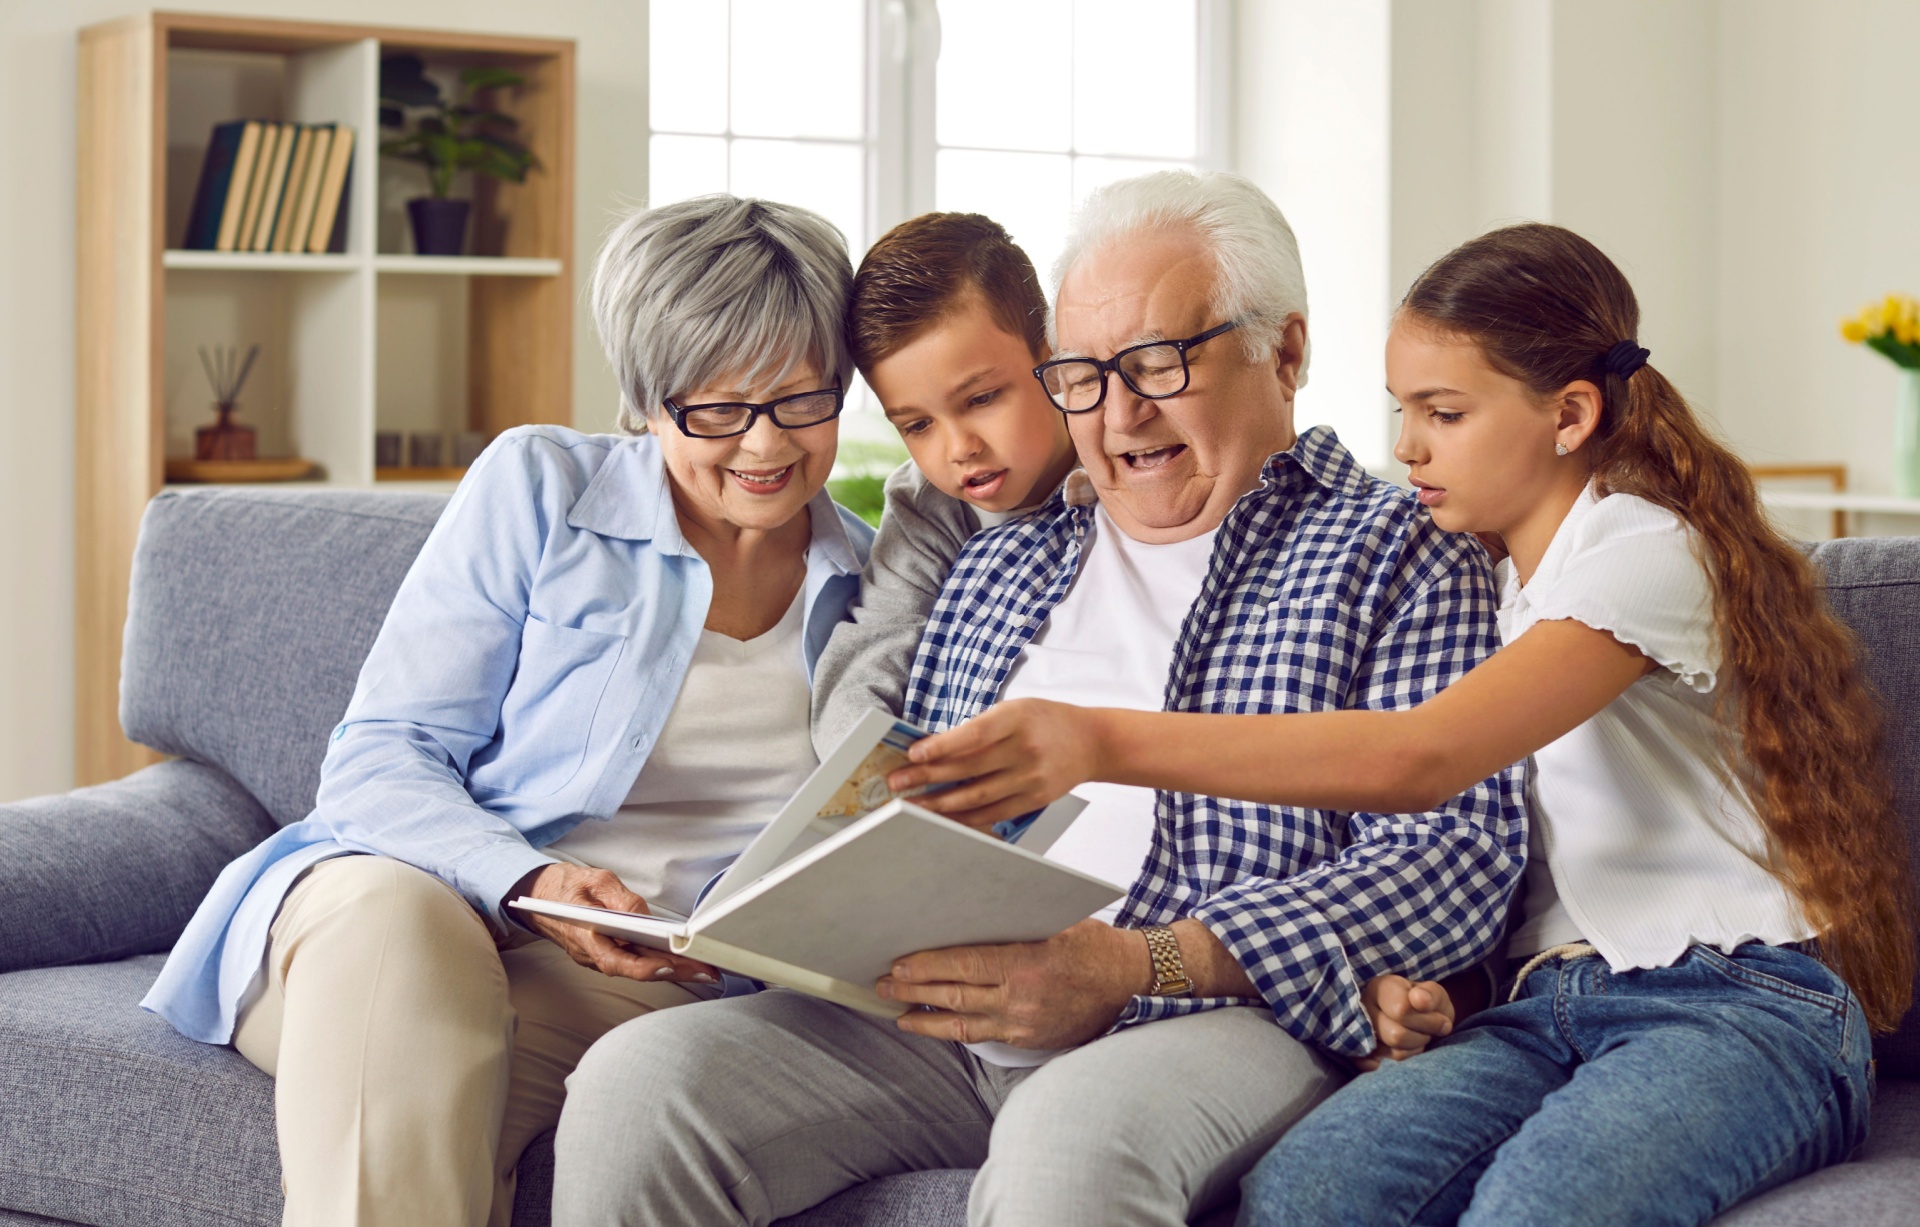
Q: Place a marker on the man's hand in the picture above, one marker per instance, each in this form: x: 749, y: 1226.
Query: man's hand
x: 1016, y: 757
x: 1406, y: 1017
x: 563, y: 883
x: 1051, y: 994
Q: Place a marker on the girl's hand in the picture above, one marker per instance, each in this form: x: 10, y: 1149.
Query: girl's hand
x: 564, y: 883
x: 1015, y: 757
x: 1406, y: 1017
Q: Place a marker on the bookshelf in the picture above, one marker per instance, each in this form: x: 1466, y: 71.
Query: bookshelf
x: 352, y: 344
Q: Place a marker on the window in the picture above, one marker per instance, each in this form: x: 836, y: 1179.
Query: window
x: 872, y: 111
x: 762, y: 98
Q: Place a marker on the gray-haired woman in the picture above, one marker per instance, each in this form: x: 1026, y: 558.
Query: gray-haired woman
x: 613, y: 628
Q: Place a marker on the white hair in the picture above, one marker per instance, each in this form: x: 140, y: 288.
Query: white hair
x: 1259, y: 282
x: 719, y: 286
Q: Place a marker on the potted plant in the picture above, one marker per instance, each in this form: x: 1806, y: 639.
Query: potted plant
x: 1892, y: 327
x: 447, y: 137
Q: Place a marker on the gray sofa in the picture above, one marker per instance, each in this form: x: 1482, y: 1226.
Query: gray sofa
x: 251, y: 612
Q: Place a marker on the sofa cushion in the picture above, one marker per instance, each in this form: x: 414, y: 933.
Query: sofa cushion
x: 114, y: 1119
x: 1873, y: 583
x: 105, y: 872
x: 249, y: 616
x: 1879, y: 1187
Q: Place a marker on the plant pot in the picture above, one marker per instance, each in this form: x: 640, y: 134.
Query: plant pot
x: 1906, y: 436
x: 439, y: 226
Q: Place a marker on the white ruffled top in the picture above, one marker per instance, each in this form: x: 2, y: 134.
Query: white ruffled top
x: 1648, y: 847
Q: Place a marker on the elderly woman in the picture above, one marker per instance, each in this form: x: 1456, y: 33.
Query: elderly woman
x: 592, y: 687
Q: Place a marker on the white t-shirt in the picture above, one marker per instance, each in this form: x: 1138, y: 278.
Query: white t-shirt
x: 1109, y: 643
x: 735, y: 747
x: 1648, y: 846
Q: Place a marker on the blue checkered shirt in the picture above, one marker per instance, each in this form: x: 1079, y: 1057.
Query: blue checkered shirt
x: 1327, y: 589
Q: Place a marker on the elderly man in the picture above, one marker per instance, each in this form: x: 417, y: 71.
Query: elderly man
x: 1208, y: 559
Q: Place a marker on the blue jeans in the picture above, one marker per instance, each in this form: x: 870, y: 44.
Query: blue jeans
x: 1661, y: 1096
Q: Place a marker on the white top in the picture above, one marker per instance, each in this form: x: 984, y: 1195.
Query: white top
x: 735, y: 747
x: 1649, y: 846
x: 1109, y: 643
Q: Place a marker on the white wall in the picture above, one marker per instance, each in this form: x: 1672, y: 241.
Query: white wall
x: 1819, y: 214
x: 1311, y: 128
x: 37, y: 83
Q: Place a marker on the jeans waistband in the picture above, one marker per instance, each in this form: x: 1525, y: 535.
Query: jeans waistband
x: 1580, y: 950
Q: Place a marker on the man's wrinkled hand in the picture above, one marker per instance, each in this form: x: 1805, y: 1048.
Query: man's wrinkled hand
x: 1051, y: 994
x: 1015, y: 757
x: 1406, y: 1017
x: 575, y: 884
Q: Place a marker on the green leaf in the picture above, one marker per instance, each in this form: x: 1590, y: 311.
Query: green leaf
x: 490, y: 78
x: 865, y: 496
x: 480, y: 115
x: 1907, y: 356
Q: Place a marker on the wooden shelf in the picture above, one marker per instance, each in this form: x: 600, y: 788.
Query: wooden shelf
x: 334, y: 369
x: 469, y: 266
x: 1822, y: 500
x: 412, y: 473
x: 260, y: 261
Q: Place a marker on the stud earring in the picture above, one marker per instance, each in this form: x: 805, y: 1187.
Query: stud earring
x: 1559, y: 449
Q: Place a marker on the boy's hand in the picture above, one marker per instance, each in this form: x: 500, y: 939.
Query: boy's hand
x: 1406, y: 1017
x: 1015, y: 757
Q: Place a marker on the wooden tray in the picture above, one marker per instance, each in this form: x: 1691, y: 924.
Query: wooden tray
x: 227, y: 472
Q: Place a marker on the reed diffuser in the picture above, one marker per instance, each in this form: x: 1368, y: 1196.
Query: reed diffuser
x: 227, y: 371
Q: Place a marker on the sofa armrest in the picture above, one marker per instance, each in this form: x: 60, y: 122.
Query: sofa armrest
x: 116, y: 870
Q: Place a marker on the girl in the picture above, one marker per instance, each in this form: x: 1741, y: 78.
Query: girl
x: 1717, y: 909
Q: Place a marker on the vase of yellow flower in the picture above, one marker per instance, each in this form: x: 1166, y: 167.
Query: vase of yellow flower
x: 1892, y: 326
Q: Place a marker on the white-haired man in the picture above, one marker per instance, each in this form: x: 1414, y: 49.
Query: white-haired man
x: 1207, y: 559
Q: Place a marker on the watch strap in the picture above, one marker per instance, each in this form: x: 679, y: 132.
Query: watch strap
x: 1169, y: 971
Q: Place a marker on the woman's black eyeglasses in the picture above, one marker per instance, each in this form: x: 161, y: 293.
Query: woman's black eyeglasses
x: 1155, y: 370
x: 726, y: 419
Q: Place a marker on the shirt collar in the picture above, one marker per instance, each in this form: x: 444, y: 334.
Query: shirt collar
x: 631, y: 497
x: 1318, y: 453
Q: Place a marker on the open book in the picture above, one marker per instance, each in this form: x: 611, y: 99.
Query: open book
x: 848, y: 877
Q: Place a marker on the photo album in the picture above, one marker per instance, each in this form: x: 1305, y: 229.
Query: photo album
x: 850, y: 876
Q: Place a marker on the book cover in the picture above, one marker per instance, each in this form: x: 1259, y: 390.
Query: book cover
x: 316, y: 170
x: 290, y: 197
x: 262, y: 165
x: 210, y: 196
x: 330, y: 211
x: 239, y: 186
x: 276, y: 186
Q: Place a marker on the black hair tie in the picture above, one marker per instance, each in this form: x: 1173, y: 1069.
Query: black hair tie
x: 1626, y: 358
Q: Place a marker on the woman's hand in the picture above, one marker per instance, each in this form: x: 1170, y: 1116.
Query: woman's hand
x: 1406, y: 1017
x: 563, y: 883
x: 1015, y: 757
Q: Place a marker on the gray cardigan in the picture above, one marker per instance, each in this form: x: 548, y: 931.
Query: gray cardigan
x: 865, y: 664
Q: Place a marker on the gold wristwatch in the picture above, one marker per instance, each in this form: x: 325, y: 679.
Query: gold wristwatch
x: 1169, y: 973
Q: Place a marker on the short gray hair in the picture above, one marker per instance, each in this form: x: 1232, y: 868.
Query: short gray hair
x: 719, y: 285
x: 1260, y: 282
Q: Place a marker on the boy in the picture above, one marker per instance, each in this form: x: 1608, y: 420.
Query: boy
x: 946, y: 324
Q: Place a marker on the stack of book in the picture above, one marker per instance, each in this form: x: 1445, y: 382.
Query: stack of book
x: 268, y: 186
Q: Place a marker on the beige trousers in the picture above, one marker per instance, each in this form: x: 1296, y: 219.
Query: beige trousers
x: 413, y: 1061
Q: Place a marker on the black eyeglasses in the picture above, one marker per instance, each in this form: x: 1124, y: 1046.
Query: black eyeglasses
x: 726, y: 419
x: 1155, y: 370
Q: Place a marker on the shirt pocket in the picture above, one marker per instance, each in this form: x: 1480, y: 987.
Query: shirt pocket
x: 547, y: 718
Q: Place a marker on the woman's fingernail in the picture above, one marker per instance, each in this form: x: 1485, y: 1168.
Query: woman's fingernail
x: 663, y: 974
x: 701, y: 977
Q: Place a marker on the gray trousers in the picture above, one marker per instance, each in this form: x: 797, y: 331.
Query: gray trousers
x: 754, y: 1108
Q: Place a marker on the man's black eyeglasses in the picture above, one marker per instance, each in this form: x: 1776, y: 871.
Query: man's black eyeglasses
x: 726, y: 419
x: 1155, y: 370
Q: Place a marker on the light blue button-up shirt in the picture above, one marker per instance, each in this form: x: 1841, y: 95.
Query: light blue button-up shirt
x: 522, y: 676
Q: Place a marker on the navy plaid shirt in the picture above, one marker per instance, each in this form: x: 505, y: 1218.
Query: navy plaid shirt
x: 1327, y: 589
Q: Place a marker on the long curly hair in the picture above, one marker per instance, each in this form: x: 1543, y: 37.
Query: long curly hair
x: 1545, y: 306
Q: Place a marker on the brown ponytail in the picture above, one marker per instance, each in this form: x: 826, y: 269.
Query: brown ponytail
x: 1545, y: 306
